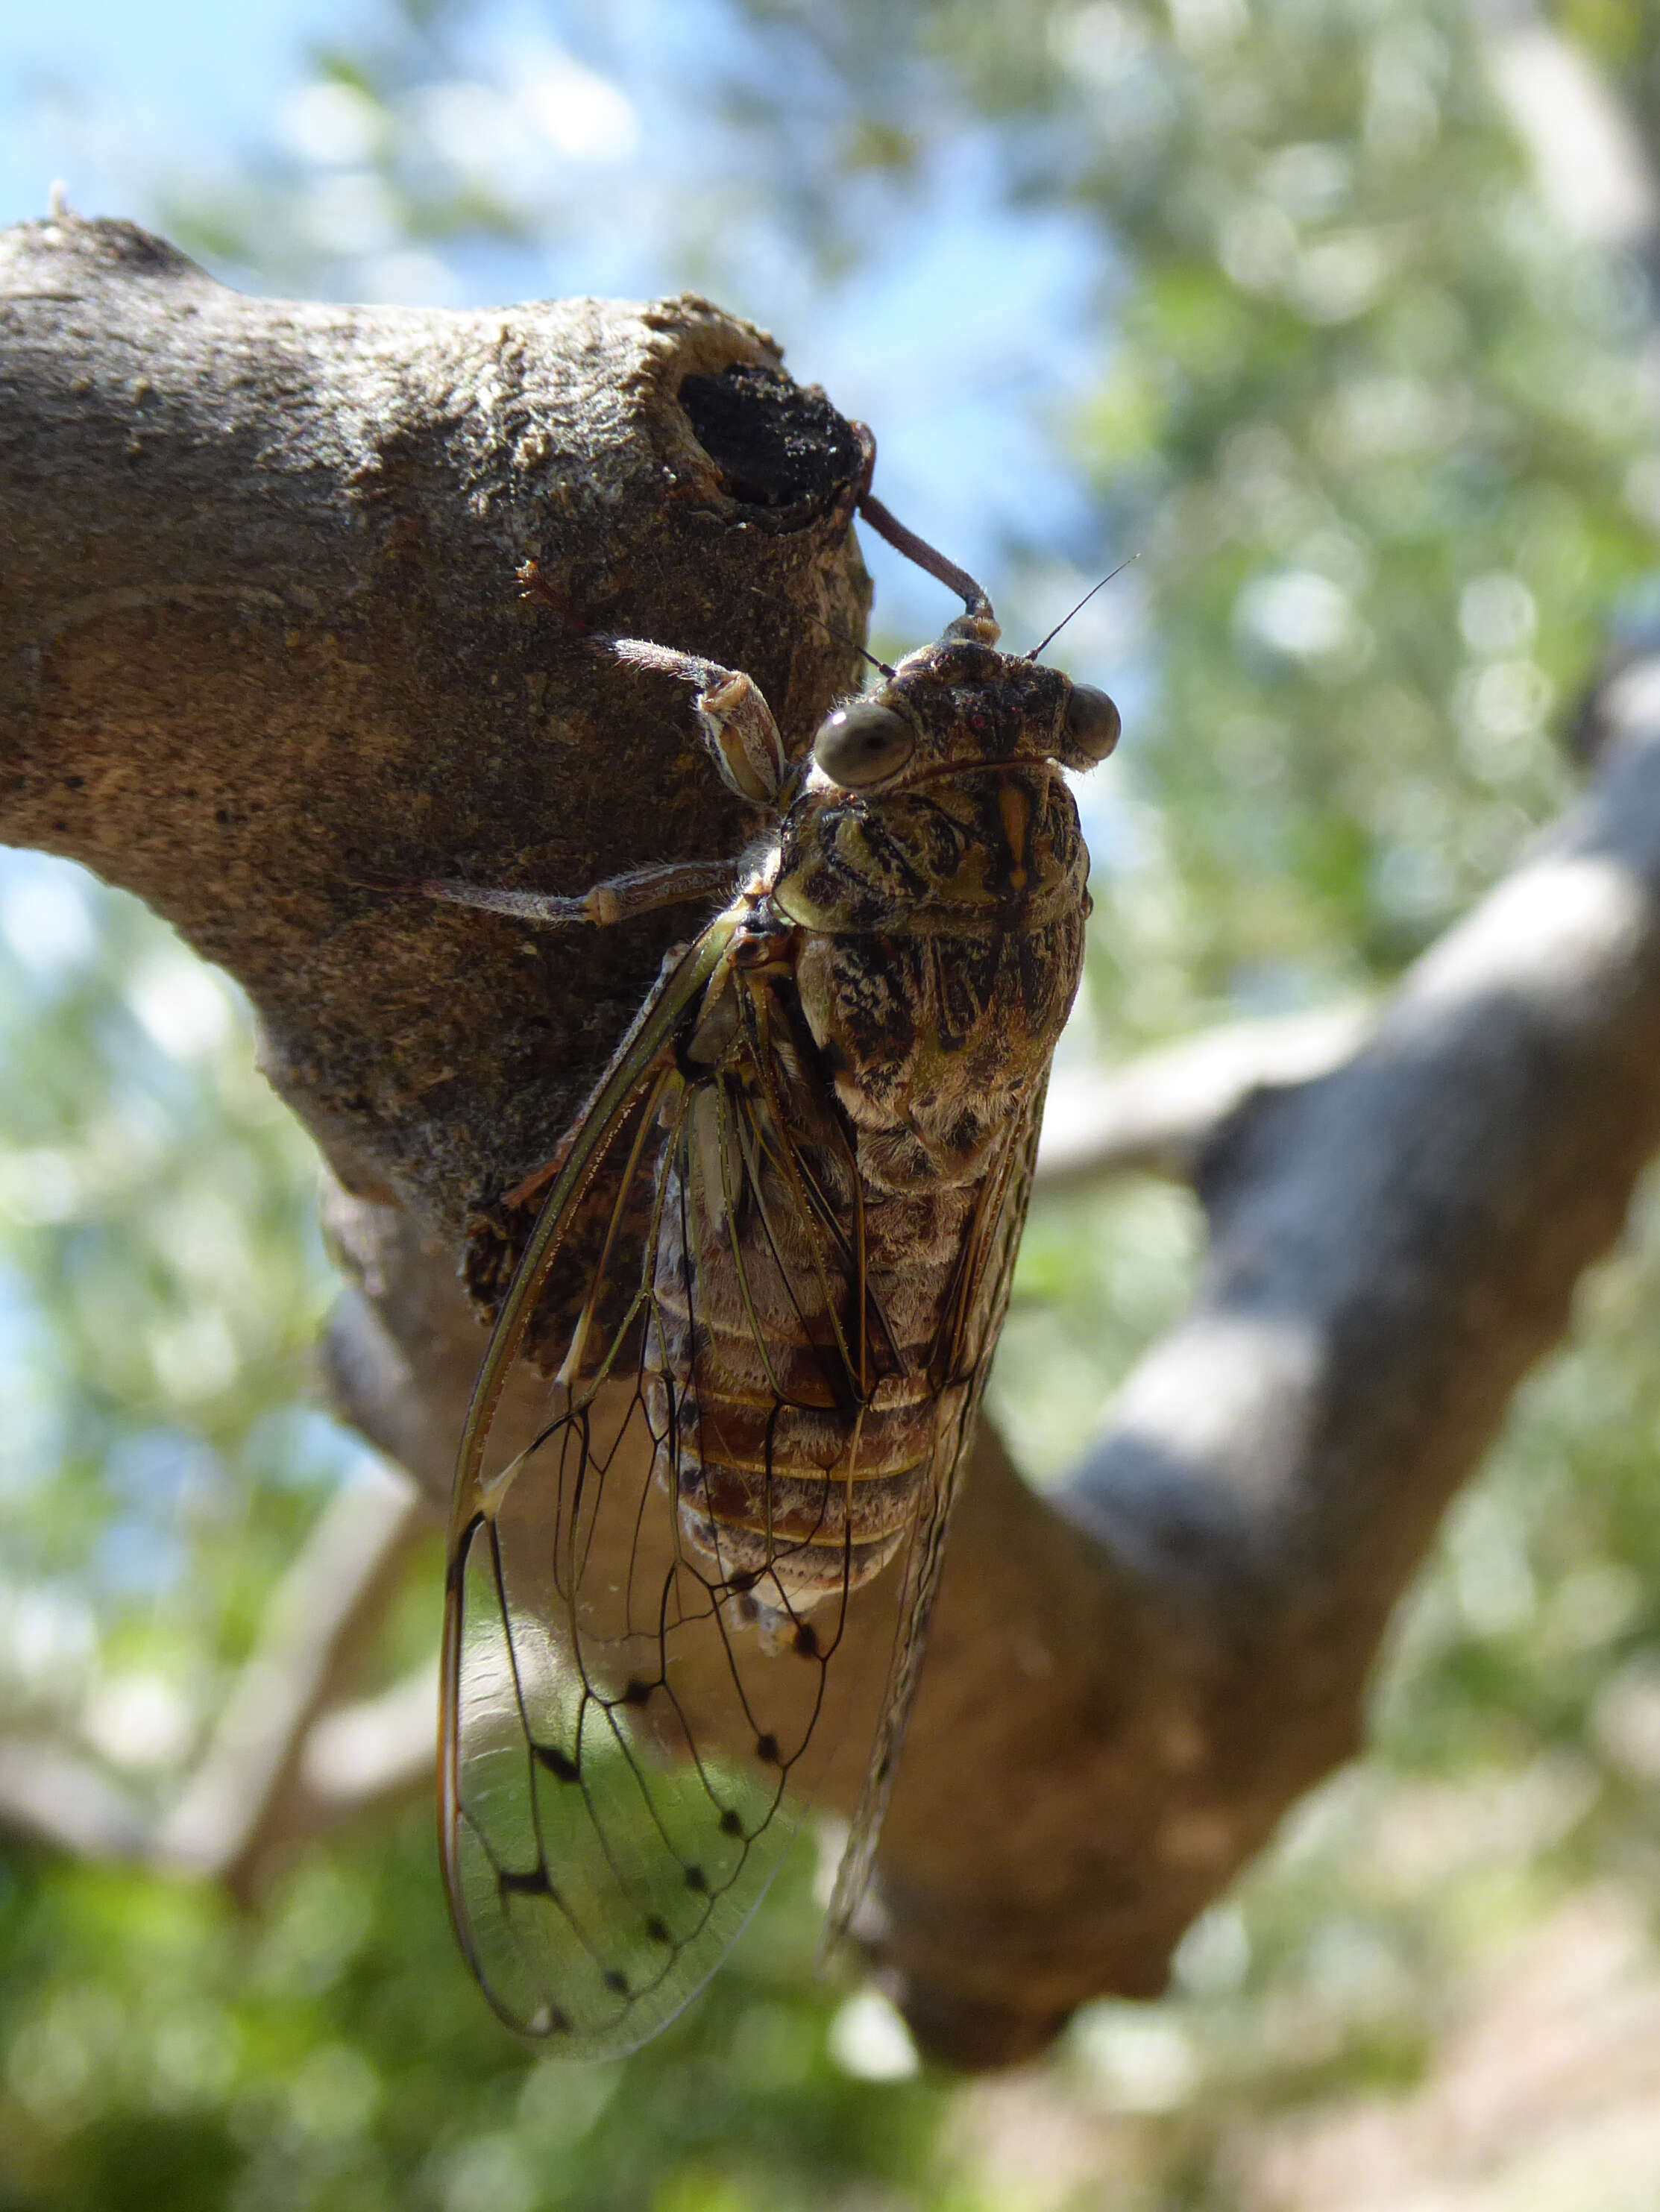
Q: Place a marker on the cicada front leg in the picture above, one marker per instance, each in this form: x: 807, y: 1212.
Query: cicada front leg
x: 742, y: 739
x: 737, y: 723
x: 739, y: 732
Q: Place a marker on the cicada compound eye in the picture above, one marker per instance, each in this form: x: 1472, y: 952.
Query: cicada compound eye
x: 861, y: 743
x: 1092, y: 722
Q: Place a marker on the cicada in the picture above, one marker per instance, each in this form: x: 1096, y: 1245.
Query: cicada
x: 765, y: 1283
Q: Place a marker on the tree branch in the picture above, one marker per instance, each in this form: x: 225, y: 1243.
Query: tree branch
x: 1129, y: 1682
x: 271, y: 1771
x: 50, y: 1795
x: 245, y: 1802
x: 1159, y: 1112
x: 260, y: 640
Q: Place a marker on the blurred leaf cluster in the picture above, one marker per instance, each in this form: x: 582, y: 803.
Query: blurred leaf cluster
x: 1376, y: 412
x: 162, y: 1279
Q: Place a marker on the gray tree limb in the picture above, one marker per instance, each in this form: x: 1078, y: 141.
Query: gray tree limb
x: 54, y: 1797
x: 1159, y: 1112
x: 1129, y: 1682
x: 259, y: 639
x: 245, y: 1800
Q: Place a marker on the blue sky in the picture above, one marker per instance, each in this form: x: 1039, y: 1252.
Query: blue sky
x: 106, y: 93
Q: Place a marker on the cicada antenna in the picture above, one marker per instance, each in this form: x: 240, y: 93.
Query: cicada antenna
x: 1080, y: 608
x: 841, y: 638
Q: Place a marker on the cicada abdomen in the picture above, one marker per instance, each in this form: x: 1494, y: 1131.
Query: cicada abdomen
x: 699, y: 1587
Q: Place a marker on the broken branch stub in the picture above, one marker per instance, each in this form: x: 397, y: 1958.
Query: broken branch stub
x: 262, y: 648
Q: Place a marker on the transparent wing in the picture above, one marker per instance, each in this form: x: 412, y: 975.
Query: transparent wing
x: 663, y: 1641
x: 615, y: 1816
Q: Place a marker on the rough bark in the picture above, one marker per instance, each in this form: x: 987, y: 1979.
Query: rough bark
x: 260, y: 638
x: 261, y: 642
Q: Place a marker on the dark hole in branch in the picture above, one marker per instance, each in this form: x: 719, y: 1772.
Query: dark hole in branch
x: 777, y: 444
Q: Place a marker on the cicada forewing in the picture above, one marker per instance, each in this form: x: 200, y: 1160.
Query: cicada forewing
x: 974, y: 1324
x: 663, y: 1641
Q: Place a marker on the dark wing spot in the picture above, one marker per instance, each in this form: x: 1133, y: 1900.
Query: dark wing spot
x: 807, y: 1640
x: 556, y: 1761
x: 730, y: 1824
x: 742, y: 1581
x: 618, y: 1981
x: 766, y: 1750
x: 637, y: 1692
x: 525, y: 1885
x: 658, y: 1930
x: 697, y: 1879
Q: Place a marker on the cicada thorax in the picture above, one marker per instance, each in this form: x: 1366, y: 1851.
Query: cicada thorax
x: 879, y: 1043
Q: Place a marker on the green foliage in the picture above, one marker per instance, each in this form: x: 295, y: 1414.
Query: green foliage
x: 1377, y: 428
x: 1371, y: 419
x: 162, y: 1282
x: 332, y: 2053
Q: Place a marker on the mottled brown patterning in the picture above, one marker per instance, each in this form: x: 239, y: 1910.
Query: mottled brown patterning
x: 767, y: 1280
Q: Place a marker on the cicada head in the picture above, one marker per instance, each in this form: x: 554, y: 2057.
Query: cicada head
x: 961, y: 703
